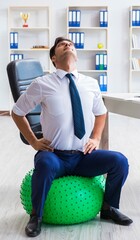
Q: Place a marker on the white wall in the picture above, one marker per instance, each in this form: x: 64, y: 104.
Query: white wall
x: 118, y: 38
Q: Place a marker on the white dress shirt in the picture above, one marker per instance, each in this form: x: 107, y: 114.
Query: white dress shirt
x: 52, y: 92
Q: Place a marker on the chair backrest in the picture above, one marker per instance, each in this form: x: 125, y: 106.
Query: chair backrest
x: 21, y: 73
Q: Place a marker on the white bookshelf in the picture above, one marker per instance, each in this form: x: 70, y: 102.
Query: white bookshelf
x: 134, y: 72
x: 93, y: 34
x: 37, y: 34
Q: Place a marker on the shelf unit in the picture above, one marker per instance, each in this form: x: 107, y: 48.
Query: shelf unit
x: 93, y: 34
x: 134, y: 75
x: 34, y: 40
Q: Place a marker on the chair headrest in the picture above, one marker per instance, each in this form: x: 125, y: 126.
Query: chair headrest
x: 28, y: 69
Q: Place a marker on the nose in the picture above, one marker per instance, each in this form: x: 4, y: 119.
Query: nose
x: 67, y: 44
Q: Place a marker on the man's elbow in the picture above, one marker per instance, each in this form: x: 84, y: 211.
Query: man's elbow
x: 14, y: 116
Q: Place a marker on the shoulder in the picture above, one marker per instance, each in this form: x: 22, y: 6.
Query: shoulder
x: 88, y: 81
x: 44, y: 80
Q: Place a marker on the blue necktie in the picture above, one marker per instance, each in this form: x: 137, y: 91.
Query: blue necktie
x: 78, y: 119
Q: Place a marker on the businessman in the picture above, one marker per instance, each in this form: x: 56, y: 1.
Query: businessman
x: 72, y: 117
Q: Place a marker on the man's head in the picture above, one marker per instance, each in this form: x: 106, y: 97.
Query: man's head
x: 62, y: 43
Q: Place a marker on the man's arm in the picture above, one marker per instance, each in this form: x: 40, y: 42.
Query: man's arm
x: 24, y: 127
x: 95, y: 138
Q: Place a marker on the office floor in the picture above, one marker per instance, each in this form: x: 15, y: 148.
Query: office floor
x: 16, y: 159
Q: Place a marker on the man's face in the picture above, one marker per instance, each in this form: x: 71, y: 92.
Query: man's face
x: 63, y: 49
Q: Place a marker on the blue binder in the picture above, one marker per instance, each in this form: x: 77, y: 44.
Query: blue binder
x: 103, y: 18
x: 97, y: 61
x: 103, y: 82
x: 70, y: 18
x: 78, y: 18
x: 133, y: 17
x: 105, y: 61
x: 13, y: 40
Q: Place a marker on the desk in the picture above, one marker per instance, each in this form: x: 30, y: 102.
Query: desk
x: 127, y: 104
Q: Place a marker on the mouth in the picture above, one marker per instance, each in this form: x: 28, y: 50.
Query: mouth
x: 68, y: 48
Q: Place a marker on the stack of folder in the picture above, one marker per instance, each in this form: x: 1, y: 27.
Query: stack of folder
x: 74, y: 18
x: 101, y: 61
x: 103, y: 82
x: 13, y: 39
x: 77, y: 38
x: 103, y: 18
x: 136, y: 17
x: 16, y: 56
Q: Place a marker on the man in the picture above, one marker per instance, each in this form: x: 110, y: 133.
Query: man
x: 64, y: 150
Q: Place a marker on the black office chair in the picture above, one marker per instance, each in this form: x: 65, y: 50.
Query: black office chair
x: 21, y: 73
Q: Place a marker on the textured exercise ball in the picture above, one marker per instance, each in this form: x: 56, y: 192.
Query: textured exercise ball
x: 71, y: 199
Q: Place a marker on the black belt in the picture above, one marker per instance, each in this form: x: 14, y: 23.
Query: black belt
x: 67, y: 151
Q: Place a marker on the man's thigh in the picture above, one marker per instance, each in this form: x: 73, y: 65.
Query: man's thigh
x: 46, y: 161
x: 96, y: 163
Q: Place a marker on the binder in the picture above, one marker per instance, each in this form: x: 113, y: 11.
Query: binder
x: 133, y: 17
x: 16, y: 39
x: 12, y: 57
x: 71, y: 36
x: 20, y: 56
x: 11, y: 39
x: 74, y: 37
x: 74, y: 18
x: 101, y: 61
x: 16, y: 56
x: 105, y: 61
x: 97, y: 61
x: 77, y: 43
x: 105, y: 18
x: 137, y: 18
x: 101, y: 18
x: 82, y: 34
x: 105, y: 83
x: 70, y: 18
x: 101, y: 82
x: 78, y: 18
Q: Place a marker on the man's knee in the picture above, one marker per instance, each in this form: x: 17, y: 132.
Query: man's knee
x: 121, y: 162
x: 46, y: 162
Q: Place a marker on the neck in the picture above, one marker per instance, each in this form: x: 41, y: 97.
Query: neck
x: 67, y: 67
x: 67, y: 64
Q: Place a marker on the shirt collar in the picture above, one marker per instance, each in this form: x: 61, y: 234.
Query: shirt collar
x: 61, y: 73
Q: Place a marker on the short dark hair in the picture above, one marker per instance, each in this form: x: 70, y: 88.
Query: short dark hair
x: 57, y: 40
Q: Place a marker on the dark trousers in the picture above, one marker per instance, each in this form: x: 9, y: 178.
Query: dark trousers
x: 49, y: 166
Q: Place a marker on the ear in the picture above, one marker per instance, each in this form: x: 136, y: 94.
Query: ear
x: 53, y: 59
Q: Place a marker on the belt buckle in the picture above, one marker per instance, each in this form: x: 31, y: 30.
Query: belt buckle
x: 74, y: 151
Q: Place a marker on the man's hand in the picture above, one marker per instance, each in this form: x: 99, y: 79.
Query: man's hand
x: 91, y: 145
x: 42, y: 144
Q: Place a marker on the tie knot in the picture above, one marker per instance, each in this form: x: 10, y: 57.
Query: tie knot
x: 69, y: 75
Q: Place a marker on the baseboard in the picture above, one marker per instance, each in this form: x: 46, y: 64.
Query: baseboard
x: 4, y: 113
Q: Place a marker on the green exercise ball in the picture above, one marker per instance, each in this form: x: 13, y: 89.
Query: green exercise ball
x: 71, y: 199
